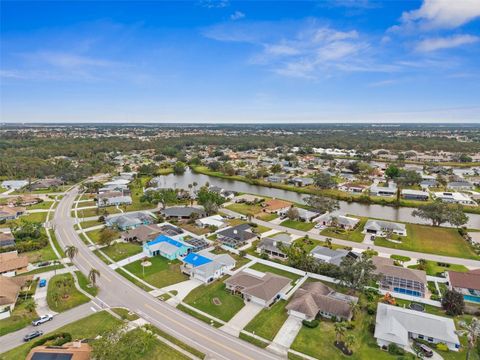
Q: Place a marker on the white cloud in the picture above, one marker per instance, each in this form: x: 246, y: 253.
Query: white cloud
x: 237, y: 15
x: 69, y: 60
x: 214, y: 4
x: 439, y: 14
x: 439, y: 43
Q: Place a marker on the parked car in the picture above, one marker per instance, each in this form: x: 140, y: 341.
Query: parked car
x: 44, y: 263
x: 42, y: 283
x: 427, y: 352
x: 42, y: 319
x: 32, y: 335
x: 319, y: 226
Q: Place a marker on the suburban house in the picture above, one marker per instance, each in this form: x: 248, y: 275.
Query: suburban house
x: 270, y: 245
x: 382, y: 228
x: 11, y: 264
x: 340, y: 221
x: 466, y: 283
x: 353, y: 188
x: 9, y: 290
x: 302, y: 181
x: 182, y: 212
x: 113, y: 198
x: 236, y: 236
x: 303, y: 214
x: 398, y: 279
x: 260, y: 288
x: 277, y: 178
x: 207, y: 267
x: 247, y: 198
x: 335, y: 257
x: 46, y: 183
x: 275, y: 206
x: 11, y: 212
x: 197, y: 243
x: 316, y: 298
x: 460, y: 185
x: 217, y: 221
x: 130, y: 221
x: 454, y: 197
x: 14, y: 184
x: 142, y: 233
x: 398, y: 325
x: 24, y: 200
x: 408, y: 194
x: 428, y: 183
x: 383, y: 191
x: 166, y: 247
x: 76, y: 350
x: 6, y: 240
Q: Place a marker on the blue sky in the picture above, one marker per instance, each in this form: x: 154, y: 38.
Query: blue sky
x: 243, y: 62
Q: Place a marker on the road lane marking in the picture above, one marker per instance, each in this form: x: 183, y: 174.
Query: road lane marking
x: 200, y: 334
x: 93, y: 309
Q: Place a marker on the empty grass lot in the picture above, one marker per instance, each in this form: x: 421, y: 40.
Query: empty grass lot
x: 266, y: 268
x: 86, y: 328
x: 120, y: 251
x: 43, y: 254
x: 298, y: 225
x: 245, y: 209
x: 434, y: 268
x: 94, y: 235
x: 266, y: 216
x: 73, y: 296
x: 202, y: 299
x: 90, y: 223
x: 45, y: 205
x: 433, y: 240
x: 267, y: 323
x: 161, y: 273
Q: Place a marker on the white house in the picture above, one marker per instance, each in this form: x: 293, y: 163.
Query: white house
x: 206, y: 267
x: 454, y: 197
x: 399, y: 325
x: 14, y: 184
x: 381, y: 228
x: 215, y: 220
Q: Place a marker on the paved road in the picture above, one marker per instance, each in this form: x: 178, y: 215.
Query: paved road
x: 380, y: 249
x: 115, y: 290
x: 15, y: 339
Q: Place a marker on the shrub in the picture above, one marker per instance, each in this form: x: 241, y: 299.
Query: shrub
x: 311, y: 324
x: 371, y: 309
x: 442, y: 347
x: 393, y: 349
x: 57, y: 339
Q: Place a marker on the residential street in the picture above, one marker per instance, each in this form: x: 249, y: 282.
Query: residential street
x: 115, y: 290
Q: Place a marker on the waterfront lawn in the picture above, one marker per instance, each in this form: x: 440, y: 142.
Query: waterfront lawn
x: 266, y: 268
x: 20, y: 317
x: 86, y: 328
x: 245, y: 209
x: 350, y: 235
x: 433, y: 240
x: 203, y: 296
x: 298, y: 225
x: 269, y: 321
x: 161, y: 273
x: 55, y: 293
x: 120, y: 251
x: 435, y: 268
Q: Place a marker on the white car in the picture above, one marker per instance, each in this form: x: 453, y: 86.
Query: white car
x: 42, y: 319
x: 319, y: 226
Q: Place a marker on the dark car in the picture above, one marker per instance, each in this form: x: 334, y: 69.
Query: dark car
x: 33, y: 335
x: 427, y: 352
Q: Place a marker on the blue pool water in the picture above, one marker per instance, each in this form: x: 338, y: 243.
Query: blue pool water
x: 407, y: 292
x: 471, y: 298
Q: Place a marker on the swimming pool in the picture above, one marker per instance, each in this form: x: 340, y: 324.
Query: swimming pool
x: 471, y: 298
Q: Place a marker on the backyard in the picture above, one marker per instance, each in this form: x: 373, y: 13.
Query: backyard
x: 433, y: 240
x: 162, y: 272
x: 435, y: 268
x: 266, y: 268
x: 203, y: 298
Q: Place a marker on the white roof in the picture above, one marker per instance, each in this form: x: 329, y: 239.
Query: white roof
x: 214, y: 220
x: 453, y: 195
x: 393, y: 324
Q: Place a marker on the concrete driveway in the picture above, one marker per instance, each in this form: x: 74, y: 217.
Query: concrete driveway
x: 286, y: 335
x: 241, y: 319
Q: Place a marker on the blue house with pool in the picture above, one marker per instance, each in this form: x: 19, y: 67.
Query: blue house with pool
x: 466, y: 283
x: 207, y: 267
x: 166, y: 247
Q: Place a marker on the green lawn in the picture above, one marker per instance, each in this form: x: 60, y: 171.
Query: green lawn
x: 96, y: 212
x: 86, y: 328
x: 132, y: 280
x: 35, y: 217
x: 41, y: 205
x: 87, y: 203
x: 19, y: 318
x: 56, y: 244
x: 44, y: 254
x: 94, y: 235
x: 353, y: 235
x: 44, y: 269
x: 433, y: 240
x: 125, y: 314
x: 266, y: 216
x: 73, y: 296
x: 161, y: 273
x: 267, y: 323
x: 84, y: 284
x: 177, y: 342
x: 245, y: 209
x: 434, y: 268
x: 260, y: 229
x: 266, y: 268
x: 136, y: 191
x: 202, y: 298
x: 298, y: 225
x: 120, y: 251
x: 199, y: 316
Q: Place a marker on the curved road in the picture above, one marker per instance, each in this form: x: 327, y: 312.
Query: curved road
x: 115, y: 290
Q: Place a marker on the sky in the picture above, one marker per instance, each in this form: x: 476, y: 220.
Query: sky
x: 222, y: 61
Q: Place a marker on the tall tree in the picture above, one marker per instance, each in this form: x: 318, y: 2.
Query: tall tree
x: 439, y: 212
x: 323, y: 180
x: 471, y: 331
x: 322, y: 204
x: 71, y: 251
x: 93, y: 275
x: 357, y: 273
x: 453, y: 303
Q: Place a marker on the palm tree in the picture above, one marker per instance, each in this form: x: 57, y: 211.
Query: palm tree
x: 30, y: 306
x: 471, y: 331
x: 340, y: 328
x: 71, y: 251
x: 349, y: 341
x: 92, y: 276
